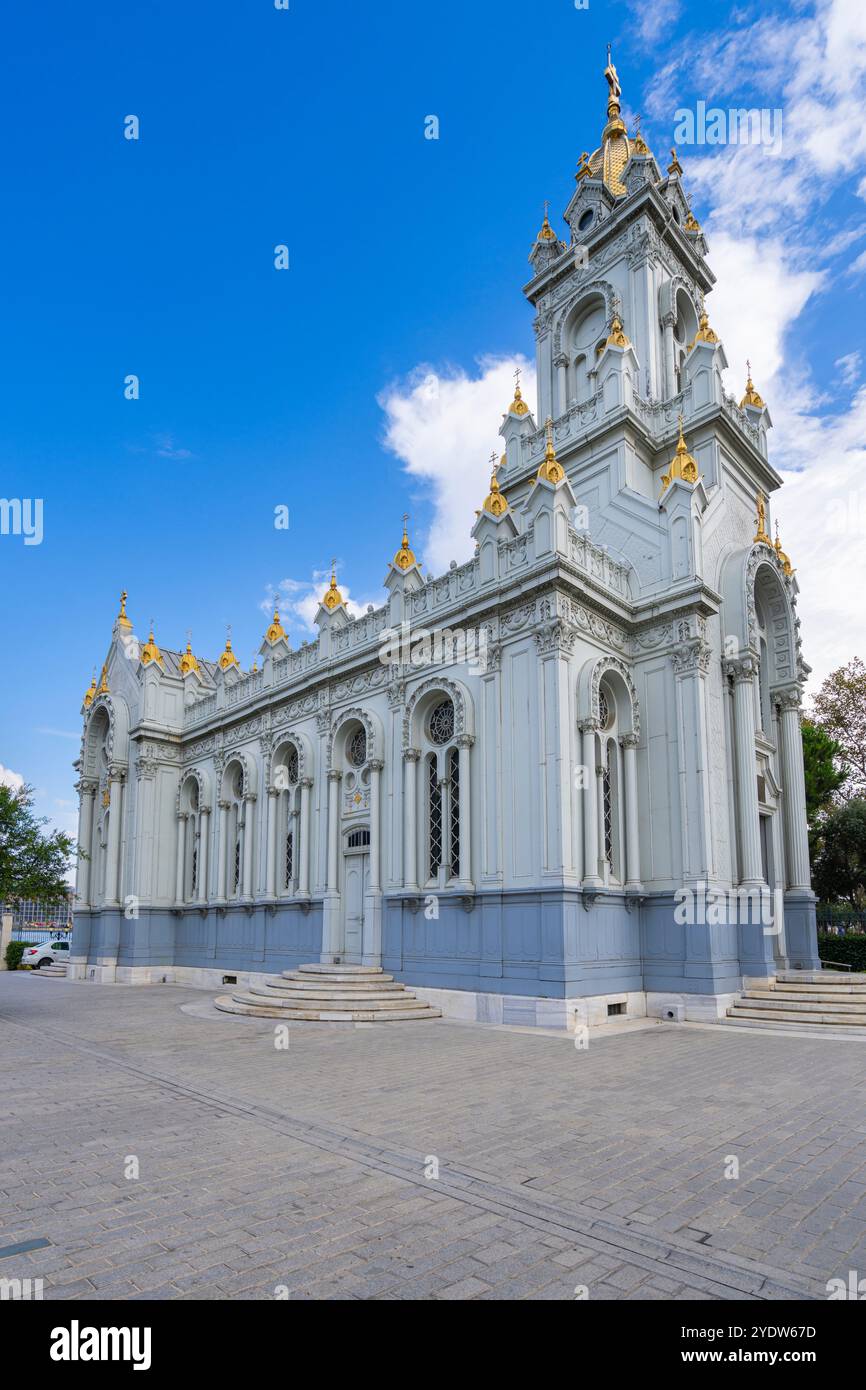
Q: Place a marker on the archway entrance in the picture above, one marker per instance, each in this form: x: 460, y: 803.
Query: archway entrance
x: 356, y: 885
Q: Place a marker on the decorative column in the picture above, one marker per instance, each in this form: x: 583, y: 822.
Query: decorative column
x: 249, y: 841
x: 203, y: 842
x: 376, y: 766
x: 114, y: 793
x: 304, y: 852
x: 334, y: 779
x: 794, y: 792
x: 410, y: 854
x: 464, y: 743
x: 743, y: 672
x: 670, y: 367
x: 224, y: 807
x: 561, y: 364
x: 273, y: 816
x: 590, y: 808
x: 87, y: 789
x: 601, y: 847
x: 691, y: 657
x: 179, y: 858
x: 628, y: 744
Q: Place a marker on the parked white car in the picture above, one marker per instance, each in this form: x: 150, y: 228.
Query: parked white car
x: 45, y: 954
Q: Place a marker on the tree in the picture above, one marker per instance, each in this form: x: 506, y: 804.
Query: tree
x: 32, y: 864
x: 840, y: 710
x: 824, y: 777
x: 840, y: 869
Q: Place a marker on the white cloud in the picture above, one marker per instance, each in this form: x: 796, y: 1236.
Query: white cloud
x: 8, y: 778
x: 849, y: 367
x: 298, y: 601
x: 444, y: 427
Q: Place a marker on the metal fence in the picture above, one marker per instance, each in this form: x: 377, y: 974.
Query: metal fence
x: 36, y: 921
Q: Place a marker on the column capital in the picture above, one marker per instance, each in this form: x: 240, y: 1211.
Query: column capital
x: 465, y: 740
x: 306, y: 782
x: 87, y: 786
x: 224, y: 805
x: 335, y: 775
x: 741, y: 668
x: 629, y: 741
x: 789, y: 698
x: 587, y: 726
x: 376, y: 764
x: 411, y: 755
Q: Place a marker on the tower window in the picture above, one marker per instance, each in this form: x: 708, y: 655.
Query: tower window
x: 357, y: 750
x: 442, y: 723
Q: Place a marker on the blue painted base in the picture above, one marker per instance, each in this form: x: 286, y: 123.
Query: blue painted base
x: 554, y: 943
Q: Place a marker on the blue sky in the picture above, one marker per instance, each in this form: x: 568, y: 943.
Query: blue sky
x: 260, y: 387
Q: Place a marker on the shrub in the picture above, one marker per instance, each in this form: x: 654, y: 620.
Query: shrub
x: 14, y: 952
x: 846, y: 950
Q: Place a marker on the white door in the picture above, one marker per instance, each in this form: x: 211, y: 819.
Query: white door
x: 354, y: 887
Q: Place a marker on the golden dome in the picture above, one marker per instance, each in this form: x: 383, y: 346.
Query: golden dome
x: 122, y: 620
x: 546, y: 233
x: 705, y: 334
x: 228, y: 657
x: 494, y: 502
x: 550, y: 468
x: 405, y: 557
x: 333, y: 598
x: 518, y: 405
x: 188, y: 662
x: 150, y: 652
x: 614, y: 152
x: 682, y: 465
x: 103, y: 682
x: 276, y: 629
x: 751, y: 397
x: 90, y: 693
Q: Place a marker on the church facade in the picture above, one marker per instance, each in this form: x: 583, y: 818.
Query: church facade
x: 562, y: 780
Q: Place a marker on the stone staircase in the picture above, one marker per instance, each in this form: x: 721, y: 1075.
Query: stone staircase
x: 329, y: 994
x: 58, y: 971
x: 804, y: 999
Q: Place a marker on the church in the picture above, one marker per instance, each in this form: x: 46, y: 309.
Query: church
x: 562, y: 781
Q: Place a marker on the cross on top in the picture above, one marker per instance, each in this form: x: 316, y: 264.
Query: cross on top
x: 517, y: 376
x: 493, y: 460
x: 748, y: 367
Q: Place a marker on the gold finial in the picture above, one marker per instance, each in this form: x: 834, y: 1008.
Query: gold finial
x: 90, y: 693
x: 786, y: 563
x: 188, y: 662
x: 550, y: 469
x: 705, y: 334
x: 518, y: 405
x: 276, y: 629
x: 614, y: 89
x: 675, y: 167
x: 617, y: 336
x: 583, y: 169
x: 547, y: 233
x: 761, y: 537
x: 103, y: 682
x: 751, y: 397
x: 494, y: 502
x: 691, y: 223
x: 122, y: 620
x: 228, y: 657
x: 150, y: 651
x: 640, y: 145
x: 682, y: 465
x: 333, y: 598
x: 405, y: 558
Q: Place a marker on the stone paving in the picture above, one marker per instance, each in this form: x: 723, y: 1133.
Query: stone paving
x: 304, y: 1173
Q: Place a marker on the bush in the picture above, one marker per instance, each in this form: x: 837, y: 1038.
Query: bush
x: 846, y: 950
x: 14, y: 952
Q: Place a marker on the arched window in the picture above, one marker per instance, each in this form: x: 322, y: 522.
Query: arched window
x: 610, y: 796
x: 236, y: 830
x: 442, y: 795
x: 190, y: 838
x: 287, y: 809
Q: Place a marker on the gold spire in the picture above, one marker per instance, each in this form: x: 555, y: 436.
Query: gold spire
x: 150, y: 652
x: 617, y: 336
x: 751, y: 397
x: 682, y: 465
x: 639, y: 145
x: 333, y: 598
x: 494, y: 502
x: 550, y: 469
x: 675, y: 167
x: 761, y: 537
x: 612, y: 155
x: 90, y: 693
x: 276, y: 629
x: 518, y: 405
x: 103, y: 682
x: 547, y: 233
x: 786, y: 563
x: 228, y: 657
x: 705, y: 334
x: 405, y: 557
x: 122, y: 620
x: 188, y: 662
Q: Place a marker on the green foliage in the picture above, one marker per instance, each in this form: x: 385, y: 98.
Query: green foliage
x: 32, y: 864
x: 14, y: 952
x: 840, y: 710
x: 824, y: 776
x: 840, y: 868
x: 846, y: 950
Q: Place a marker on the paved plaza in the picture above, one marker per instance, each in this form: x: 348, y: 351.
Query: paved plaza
x: 309, y: 1172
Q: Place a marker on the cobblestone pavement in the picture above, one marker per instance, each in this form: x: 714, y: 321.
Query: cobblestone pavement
x: 303, y: 1173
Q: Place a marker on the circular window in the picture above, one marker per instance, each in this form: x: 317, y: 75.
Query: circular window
x: 586, y: 219
x: 603, y: 710
x: 442, y: 723
x: 357, y: 750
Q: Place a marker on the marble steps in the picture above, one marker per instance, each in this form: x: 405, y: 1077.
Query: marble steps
x: 808, y: 999
x: 58, y: 971
x: 329, y: 994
